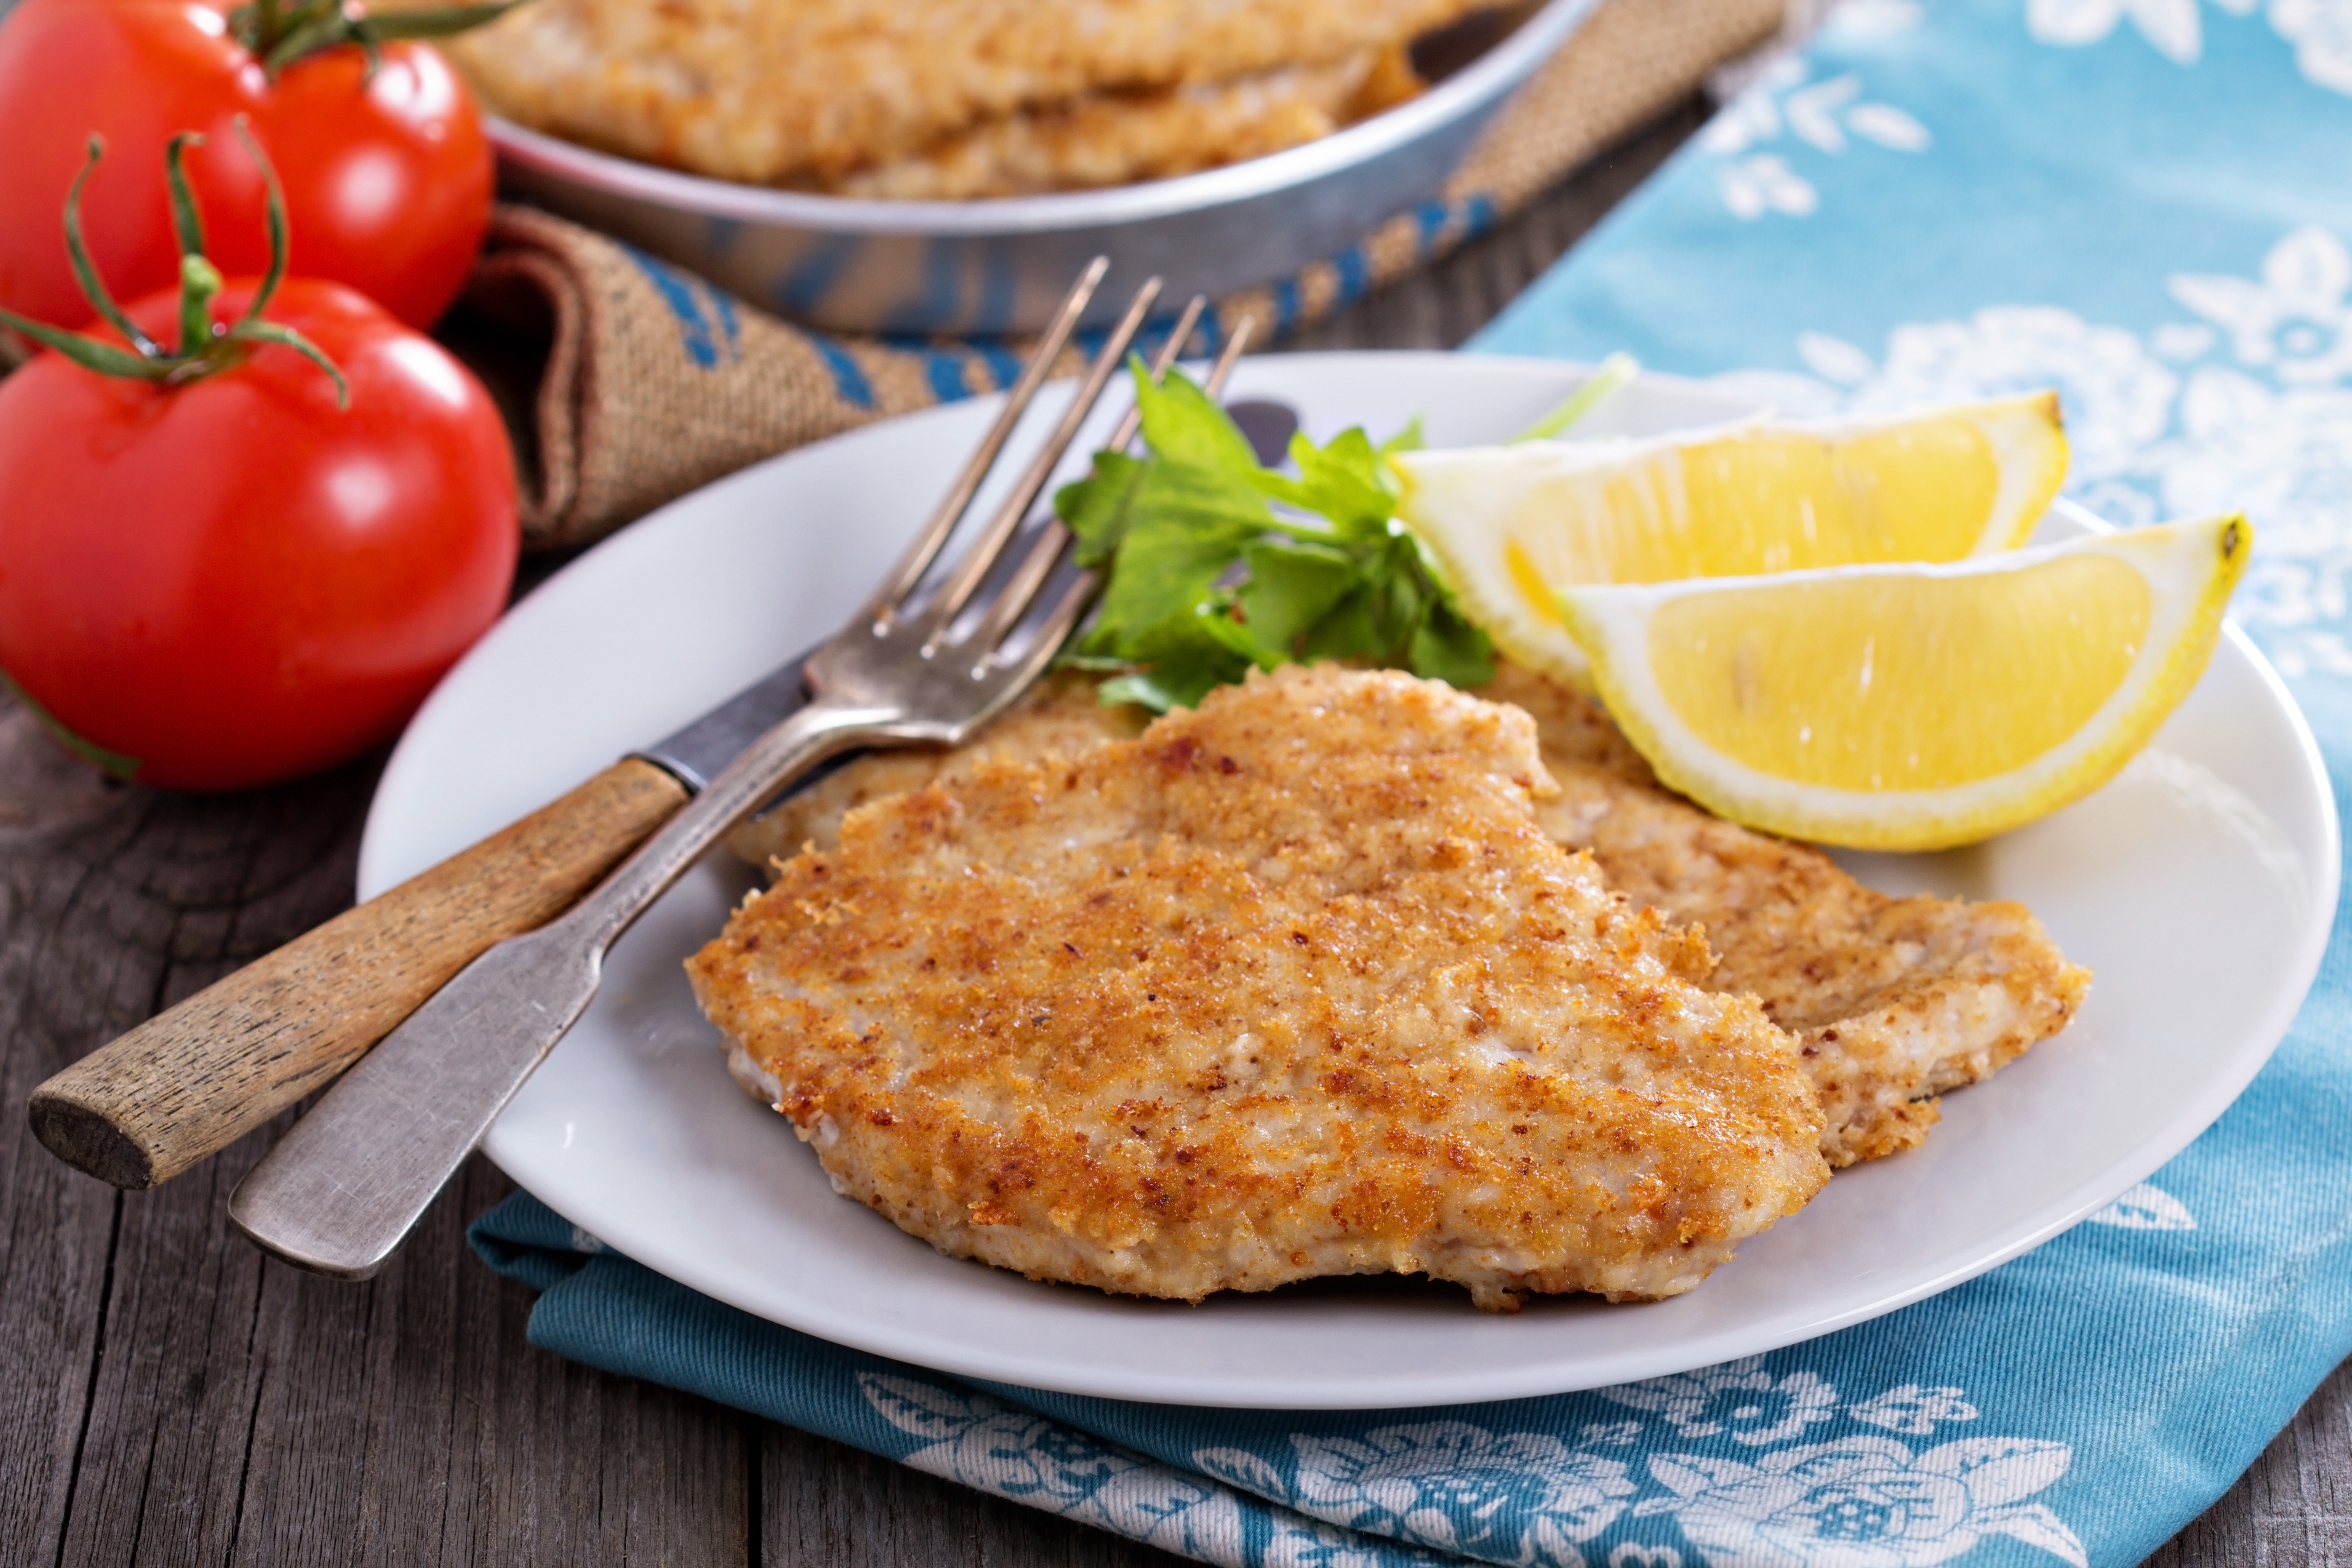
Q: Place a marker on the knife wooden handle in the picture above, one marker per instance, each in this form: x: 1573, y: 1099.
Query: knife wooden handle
x: 188, y: 1082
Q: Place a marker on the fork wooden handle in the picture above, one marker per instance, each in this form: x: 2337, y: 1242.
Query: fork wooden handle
x: 187, y: 1082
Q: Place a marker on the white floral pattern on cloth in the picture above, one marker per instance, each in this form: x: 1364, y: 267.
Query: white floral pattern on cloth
x: 1404, y: 1493
x: 1911, y: 1409
x: 2247, y: 405
x: 1755, y: 178
x: 1738, y: 1396
x: 1865, y: 1503
x: 2146, y: 1207
x: 2320, y: 30
x: 1509, y: 1497
x: 992, y: 1447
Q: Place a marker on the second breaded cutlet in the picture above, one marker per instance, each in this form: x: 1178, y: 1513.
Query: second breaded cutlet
x: 1289, y: 985
x: 1893, y: 1001
x: 808, y: 91
x: 1126, y: 138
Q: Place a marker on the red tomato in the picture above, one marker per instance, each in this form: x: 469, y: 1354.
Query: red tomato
x: 388, y: 181
x: 233, y: 580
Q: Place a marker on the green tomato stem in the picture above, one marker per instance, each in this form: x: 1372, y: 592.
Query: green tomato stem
x: 252, y: 331
x: 93, y: 288
x: 279, y: 35
x: 187, y: 219
x: 268, y: 25
x: 204, y: 349
x: 274, y: 211
x: 199, y: 281
x: 90, y: 353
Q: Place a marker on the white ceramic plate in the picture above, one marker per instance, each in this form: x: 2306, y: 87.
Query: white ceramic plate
x: 2199, y: 885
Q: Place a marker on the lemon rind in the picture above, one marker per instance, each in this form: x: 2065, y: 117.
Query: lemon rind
x: 2206, y: 557
x: 2018, y: 427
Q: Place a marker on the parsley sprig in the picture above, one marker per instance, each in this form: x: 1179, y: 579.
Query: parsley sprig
x: 1217, y: 564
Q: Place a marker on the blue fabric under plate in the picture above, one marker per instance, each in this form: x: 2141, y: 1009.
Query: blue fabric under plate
x: 2146, y: 203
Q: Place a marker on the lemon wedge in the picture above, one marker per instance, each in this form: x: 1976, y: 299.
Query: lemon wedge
x: 1510, y: 524
x: 1912, y: 707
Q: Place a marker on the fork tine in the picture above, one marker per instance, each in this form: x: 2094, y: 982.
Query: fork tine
x: 926, y: 546
x: 1052, y: 632
x: 1223, y: 368
x: 1169, y: 350
x: 1013, y: 600
x: 956, y: 593
x: 1053, y: 539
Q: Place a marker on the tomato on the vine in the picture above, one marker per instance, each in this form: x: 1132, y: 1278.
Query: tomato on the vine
x: 233, y: 581
x: 248, y: 525
x: 386, y: 171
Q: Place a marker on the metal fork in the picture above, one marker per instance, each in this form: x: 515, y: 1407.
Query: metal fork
x: 920, y: 664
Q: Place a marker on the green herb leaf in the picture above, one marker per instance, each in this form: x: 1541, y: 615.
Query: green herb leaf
x: 1342, y: 483
x: 1409, y: 439
x: 1184, y: 526
x: 1207, y: 580
x: 1097, y: 508
x: 1607, y: 378
x: 1170, y: 526
x: 1182, y: 423
x: 1293, y: 584
x: 1183, y: 663
x: 1451, y: 648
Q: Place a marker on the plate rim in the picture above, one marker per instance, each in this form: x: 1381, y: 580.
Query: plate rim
x: 2155, y: 1147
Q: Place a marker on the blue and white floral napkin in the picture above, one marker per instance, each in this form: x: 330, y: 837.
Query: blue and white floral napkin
x: 2146, y: 203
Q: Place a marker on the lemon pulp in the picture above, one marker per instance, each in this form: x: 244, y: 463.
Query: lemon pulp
x: 1912, y: 707
x: 1768, y: 501
x: 1886, y: 683
x: 1513, y: 525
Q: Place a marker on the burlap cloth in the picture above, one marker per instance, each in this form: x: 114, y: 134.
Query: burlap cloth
x: 656, y: 383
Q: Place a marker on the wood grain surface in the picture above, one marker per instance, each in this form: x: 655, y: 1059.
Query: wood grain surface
x: 169, y: 1397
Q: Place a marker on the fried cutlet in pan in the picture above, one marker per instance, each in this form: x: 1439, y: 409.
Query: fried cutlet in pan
x: 1291, y: 984
x: 1125, y: 138
x: 1893, y: 1001
x: 809, y: 91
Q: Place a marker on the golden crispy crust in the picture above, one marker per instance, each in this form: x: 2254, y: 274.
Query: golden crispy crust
x: 1893, y: 1000
x: 1291, y: 985
x: 1058, y: 717
x: 1126, y: 138
x: 811, y: 90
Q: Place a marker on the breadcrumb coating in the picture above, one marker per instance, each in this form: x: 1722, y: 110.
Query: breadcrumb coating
x: 1289, y: 985
x: 809, y: 91
x: 1126, y: 138
x: 1893, y: 1001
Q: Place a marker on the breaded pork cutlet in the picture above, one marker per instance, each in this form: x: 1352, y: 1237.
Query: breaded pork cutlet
x: 809, y: 91
x: 1895, y: 1000
x: 1290, y: 985
x: 1059, y: 716
x: 1126, y: 138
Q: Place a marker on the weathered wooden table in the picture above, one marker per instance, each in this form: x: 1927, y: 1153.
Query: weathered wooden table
x: 168, y: 1397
